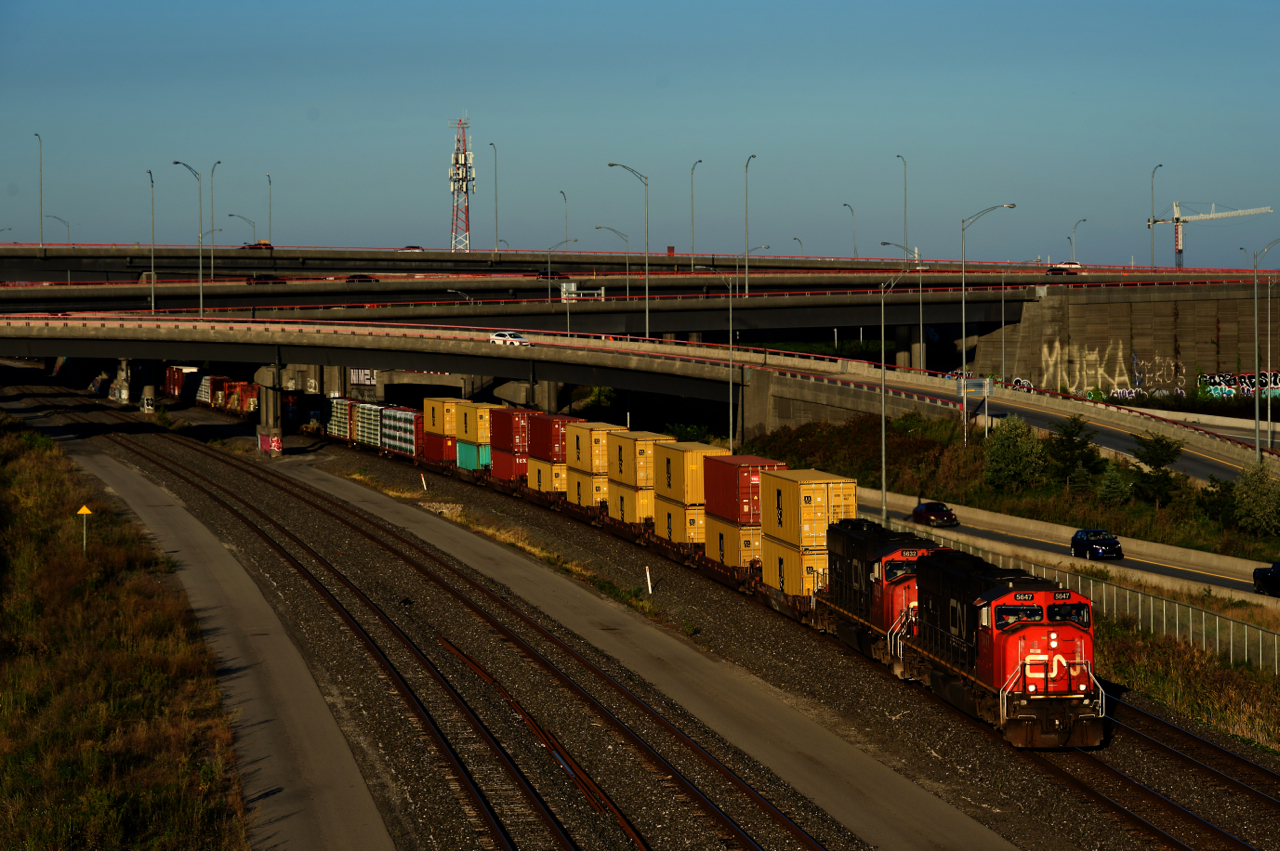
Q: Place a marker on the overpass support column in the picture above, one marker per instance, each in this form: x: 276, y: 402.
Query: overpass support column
x: 754, y: 403
x: 906, y: 338
x: 270, y: 434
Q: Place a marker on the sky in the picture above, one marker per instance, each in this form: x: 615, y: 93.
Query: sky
x: 1063, y: 110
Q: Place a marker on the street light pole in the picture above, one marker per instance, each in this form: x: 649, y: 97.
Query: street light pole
x: 199, y: 233
x: 1073, y: 238
x: 801, y: 241
x: 645, y: 181
x: 627, y: 249
x: 270, y: 236
x: 41, y: 190
x: 1151, y: 222
x: 920, y: 296
x: 495, y: 197
x: 252, y: 224
x: 853, y: 231
x: 68, y: 224
x: 691, y: 242
x: 746, y: 228
x: 964, y: 337
x: 566, y: 215
x: 1257, y: 354
x: 213, y: 240
x: 549, y: 250
x: 152, y: 178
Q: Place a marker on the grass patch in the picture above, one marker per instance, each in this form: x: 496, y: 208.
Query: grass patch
x: 112, y: 730
x: 1238, y: 700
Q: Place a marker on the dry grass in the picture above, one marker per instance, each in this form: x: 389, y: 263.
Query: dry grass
x: 112, y: 732
x: 1238, y: 700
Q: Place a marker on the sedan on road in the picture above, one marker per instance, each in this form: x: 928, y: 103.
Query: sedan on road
x: 1266, y: 580
x: 934, y: 514
x: 1095, y: 543
x: 509, y: 338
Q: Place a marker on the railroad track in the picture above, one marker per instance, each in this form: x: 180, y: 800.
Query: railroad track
x: 482, y: 603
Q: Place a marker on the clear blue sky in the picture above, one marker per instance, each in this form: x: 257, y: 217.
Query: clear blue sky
x: 1062, y: 109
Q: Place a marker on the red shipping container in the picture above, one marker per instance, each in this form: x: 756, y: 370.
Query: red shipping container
x: 732, y: 485
x: 546, y: 436
x: 436, y: 447
x: 509, y: 429
x: 508, y: 466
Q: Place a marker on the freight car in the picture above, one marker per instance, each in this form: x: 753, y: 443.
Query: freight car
x: 1006, y: 647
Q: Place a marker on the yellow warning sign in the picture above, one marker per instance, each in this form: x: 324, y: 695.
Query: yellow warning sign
x: 84, y: 509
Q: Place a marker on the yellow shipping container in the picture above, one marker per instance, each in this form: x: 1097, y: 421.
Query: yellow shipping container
x: 799, y: 571
x: 797, y: 505
x: 731, y: 544
x: 679, y: 523
x: 585, y: 448
x: 631, y: 456
x: 628, y: 504
x: 546, y: 476
x: 440, y: 417
x: 473, y: 421
x: 678, y: 475
x: 584, y: 488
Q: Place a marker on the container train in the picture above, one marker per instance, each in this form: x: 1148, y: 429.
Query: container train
x: 1009, y: 648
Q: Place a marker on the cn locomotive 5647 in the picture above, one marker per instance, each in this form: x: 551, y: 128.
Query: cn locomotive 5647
x: 1004, y: 646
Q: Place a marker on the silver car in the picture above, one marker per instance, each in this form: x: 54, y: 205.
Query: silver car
x: 509, y: 338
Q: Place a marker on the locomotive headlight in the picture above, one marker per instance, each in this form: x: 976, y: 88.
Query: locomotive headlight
x: 1031, y: 688
x: 1083, y: 687
x: 1053, y: 644
x: 1053, y: 635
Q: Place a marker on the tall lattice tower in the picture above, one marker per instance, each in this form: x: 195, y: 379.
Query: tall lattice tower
x: 462, y: 182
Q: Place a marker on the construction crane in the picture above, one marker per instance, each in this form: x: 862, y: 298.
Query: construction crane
x: 1179, y: 220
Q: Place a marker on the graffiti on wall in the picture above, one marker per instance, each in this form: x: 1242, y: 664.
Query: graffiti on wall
x: 1224, y: 385
x: 1078, y: 368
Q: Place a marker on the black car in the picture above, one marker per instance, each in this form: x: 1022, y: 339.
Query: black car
x: 1266, y: 580
x: 1095, y: 543
x: 361, y: 279
x: 934, y: 514
x: 264, y: 279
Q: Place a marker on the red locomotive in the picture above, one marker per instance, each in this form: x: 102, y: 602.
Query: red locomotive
x: 1004, y: 646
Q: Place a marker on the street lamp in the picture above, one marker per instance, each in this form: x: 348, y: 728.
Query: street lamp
x: 731, y: 295
x: 495, y: 197
x: 853, y: 230
x: 507, y: 244
x: 626, y: 249
x: 549, y: 250
x: 964, y: 337
x: 1073, y: 239
x: 213, y: 240
x: 1257, y: 379
x: 884, y: 464
x: 920, y: 293
x: 41, y: 190
x: 905, y: 241
x: 252, y: 224
x: 1151, y: 222
x: 801, y: 241
x: 566, y: 215
x: 270, y: 240
x: 746, y: 240
x: 645, y: 181
x: 152, y: 178
x: 691, y: 252
x: 200, y: 240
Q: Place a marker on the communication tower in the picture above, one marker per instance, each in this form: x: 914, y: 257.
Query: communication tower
x: 462, y: 182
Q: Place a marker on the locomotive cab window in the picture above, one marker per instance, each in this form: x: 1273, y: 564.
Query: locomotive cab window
x: 894, y: 569
x: 1007, y: 616
x: 1076, y: 613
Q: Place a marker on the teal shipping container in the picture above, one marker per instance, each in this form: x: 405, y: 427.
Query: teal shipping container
x: 472, y: 456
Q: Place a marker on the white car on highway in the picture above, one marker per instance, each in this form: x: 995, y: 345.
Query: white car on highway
x: 509, y: 338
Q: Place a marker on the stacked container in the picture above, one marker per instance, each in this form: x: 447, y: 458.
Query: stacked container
x: 368, y: 424
x: 340, y: 417
x: 509, y: 436
x: 732, y: 489
x: 402, y: 431
x: 679, y: 508
x: 798, y: 507
x: 547, y: 470
x: 204, y: 393
x: 587, y: 462
x: 439, y: 430
x: 472, y: 420
x: 631, y: 473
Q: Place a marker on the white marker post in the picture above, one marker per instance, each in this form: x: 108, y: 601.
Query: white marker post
x: 423, y: 476
x: 648, y: 579
x: 84, y: 513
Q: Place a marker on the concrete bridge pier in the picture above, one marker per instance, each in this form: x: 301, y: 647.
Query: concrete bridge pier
x: 270, y: 433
